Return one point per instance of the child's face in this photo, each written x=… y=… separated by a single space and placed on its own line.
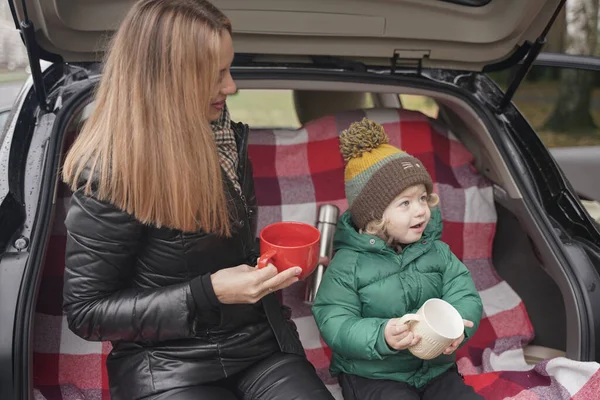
x=408 y=215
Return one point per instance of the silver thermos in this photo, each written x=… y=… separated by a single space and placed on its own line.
x=328 y=217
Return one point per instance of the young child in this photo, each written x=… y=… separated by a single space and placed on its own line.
x=389 y=260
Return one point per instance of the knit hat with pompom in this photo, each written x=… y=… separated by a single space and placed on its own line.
x=376 y=172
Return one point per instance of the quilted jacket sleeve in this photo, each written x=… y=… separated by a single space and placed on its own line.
x=337 y=312
x=102 y=242
x=459 y=289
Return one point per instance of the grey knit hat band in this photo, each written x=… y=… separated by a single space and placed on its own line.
x=385 y=185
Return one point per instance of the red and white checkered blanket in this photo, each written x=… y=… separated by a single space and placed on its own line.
x=295 y=172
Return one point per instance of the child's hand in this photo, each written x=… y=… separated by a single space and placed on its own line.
x=397 y=335
x=454 y=345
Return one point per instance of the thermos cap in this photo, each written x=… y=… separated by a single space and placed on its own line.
x=328 y=213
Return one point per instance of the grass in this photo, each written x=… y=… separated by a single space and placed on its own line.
x=536 y=103
x=12 y=76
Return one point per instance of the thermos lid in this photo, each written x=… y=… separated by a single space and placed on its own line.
x=328 y=213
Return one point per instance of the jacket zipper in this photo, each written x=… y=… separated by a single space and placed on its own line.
x=241 y=169
x=245 y=203
x=242 y=177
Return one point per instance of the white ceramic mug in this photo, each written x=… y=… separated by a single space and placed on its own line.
x=438 y=323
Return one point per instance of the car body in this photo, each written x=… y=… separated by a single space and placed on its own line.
x=382 y=48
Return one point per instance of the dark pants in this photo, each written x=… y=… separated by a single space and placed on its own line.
x=447 y=386
x=281 y=376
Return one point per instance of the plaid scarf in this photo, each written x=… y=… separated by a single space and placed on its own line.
x=227 y=147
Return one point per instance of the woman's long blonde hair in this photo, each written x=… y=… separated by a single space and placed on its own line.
x=148 y=143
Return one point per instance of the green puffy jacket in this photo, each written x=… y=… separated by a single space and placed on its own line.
x=367 y=283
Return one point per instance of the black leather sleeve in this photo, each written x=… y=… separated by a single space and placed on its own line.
x=102 y=243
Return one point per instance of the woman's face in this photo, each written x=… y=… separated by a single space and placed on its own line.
x=225 y=85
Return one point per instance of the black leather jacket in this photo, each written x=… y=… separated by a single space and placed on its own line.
x=129 y=283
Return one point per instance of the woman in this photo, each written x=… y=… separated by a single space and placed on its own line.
x=161 y=224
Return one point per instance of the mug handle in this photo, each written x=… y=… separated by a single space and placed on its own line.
x=408 y=318
x=265 y=258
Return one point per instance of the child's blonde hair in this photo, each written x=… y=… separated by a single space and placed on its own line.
x=378 y=227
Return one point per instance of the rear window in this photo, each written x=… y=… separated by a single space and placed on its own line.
x=269 y=109
x=423 y=104
x=276 y=108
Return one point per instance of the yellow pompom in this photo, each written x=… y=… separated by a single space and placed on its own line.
x=361 y=137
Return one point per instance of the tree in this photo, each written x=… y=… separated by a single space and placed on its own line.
x=12 y=50
x=572 y=109
x=555 y=42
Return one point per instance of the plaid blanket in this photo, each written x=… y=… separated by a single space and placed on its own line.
x=296 y=171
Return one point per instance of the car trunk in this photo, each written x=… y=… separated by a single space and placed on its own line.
x=520 y=256
x=524 y=253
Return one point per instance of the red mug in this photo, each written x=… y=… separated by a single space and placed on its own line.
x=290 y=244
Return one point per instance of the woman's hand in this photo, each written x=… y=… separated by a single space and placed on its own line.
x=398 y=336
x=454 y=345
x=247 y=285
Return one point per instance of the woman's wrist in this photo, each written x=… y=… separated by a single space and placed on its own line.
x=203 y=292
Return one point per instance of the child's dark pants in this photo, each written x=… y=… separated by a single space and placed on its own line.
x=448 y=386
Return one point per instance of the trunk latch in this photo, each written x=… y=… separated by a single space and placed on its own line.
x=409 y=59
